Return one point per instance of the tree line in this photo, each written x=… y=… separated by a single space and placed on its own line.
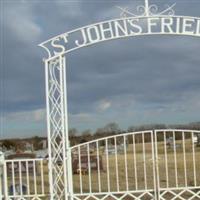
x=109 y=129
x=113 y=128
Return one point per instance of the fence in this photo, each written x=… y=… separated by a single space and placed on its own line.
x=25 y=179
x=160 y=164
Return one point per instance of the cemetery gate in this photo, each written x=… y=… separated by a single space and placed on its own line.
x=159 y=164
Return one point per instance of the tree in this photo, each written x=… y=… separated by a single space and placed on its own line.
x=112 y=128
x=87 y=133
x=36 y=142
x=86 y=136
x=131 y=129
x=73 y=136
x=109 y=129
x=73 y=132
x=9 y=144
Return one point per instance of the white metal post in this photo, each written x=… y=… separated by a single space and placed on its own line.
x=1 y=174
x=48 y=129
x=156 y=189
x=68 y=160
x=57 y=123
x=3 y=169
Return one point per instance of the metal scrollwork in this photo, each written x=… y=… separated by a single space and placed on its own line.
x=147 y=10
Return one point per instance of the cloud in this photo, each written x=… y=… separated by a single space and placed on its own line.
x=69 y=9
x=104 y=105
x=23 y=124
x=36 y=115
x=81 y=117
x=21 y=21
x=130 y=81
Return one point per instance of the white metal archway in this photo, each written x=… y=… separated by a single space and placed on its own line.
x=60 y=152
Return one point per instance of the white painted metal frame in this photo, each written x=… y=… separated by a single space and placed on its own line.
x=1 y=175
x=60 y=159
x=142 y=165
x=77 y=46
x=116 y=179
x=185 y=184
x=25 y=179
x=146 y=160
x=59 y=151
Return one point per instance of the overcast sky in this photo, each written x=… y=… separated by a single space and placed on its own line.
x=132 y=81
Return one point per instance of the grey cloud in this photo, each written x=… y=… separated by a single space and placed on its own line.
x=146 y=73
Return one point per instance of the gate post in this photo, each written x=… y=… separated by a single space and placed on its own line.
x=1 y=175
x=60 y=181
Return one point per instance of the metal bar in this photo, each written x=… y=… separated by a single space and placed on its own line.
x=22 y=159
x=64 y=122
x=50 y=163
x=98 y=165
x=42 y=175
x=147 y=8
x=34 y=177
x=116 y=164
x=110 y=137
x=2 y=162
x=80 y=170
x=194 y=160
x=125 y=162
x=135 y=163
x=121 y=193
x=27 y=178
x=69 y=175
x=154 y=164
x=184 y=159
x=166 y=161
x=89 y=169
x=175 y=159
x=108 y=170
x=13 y=177
x=68 y=148
x=20 y=177
x=5 y=184
x=157 y=189
x=144 y=161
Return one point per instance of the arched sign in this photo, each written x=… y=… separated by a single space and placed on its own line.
x=149 y=22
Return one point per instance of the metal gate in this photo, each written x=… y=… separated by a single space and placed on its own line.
x=177 y=164
x=146 y=165
x=160 y=164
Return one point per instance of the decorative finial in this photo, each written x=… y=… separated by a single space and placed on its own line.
x=147 y=10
